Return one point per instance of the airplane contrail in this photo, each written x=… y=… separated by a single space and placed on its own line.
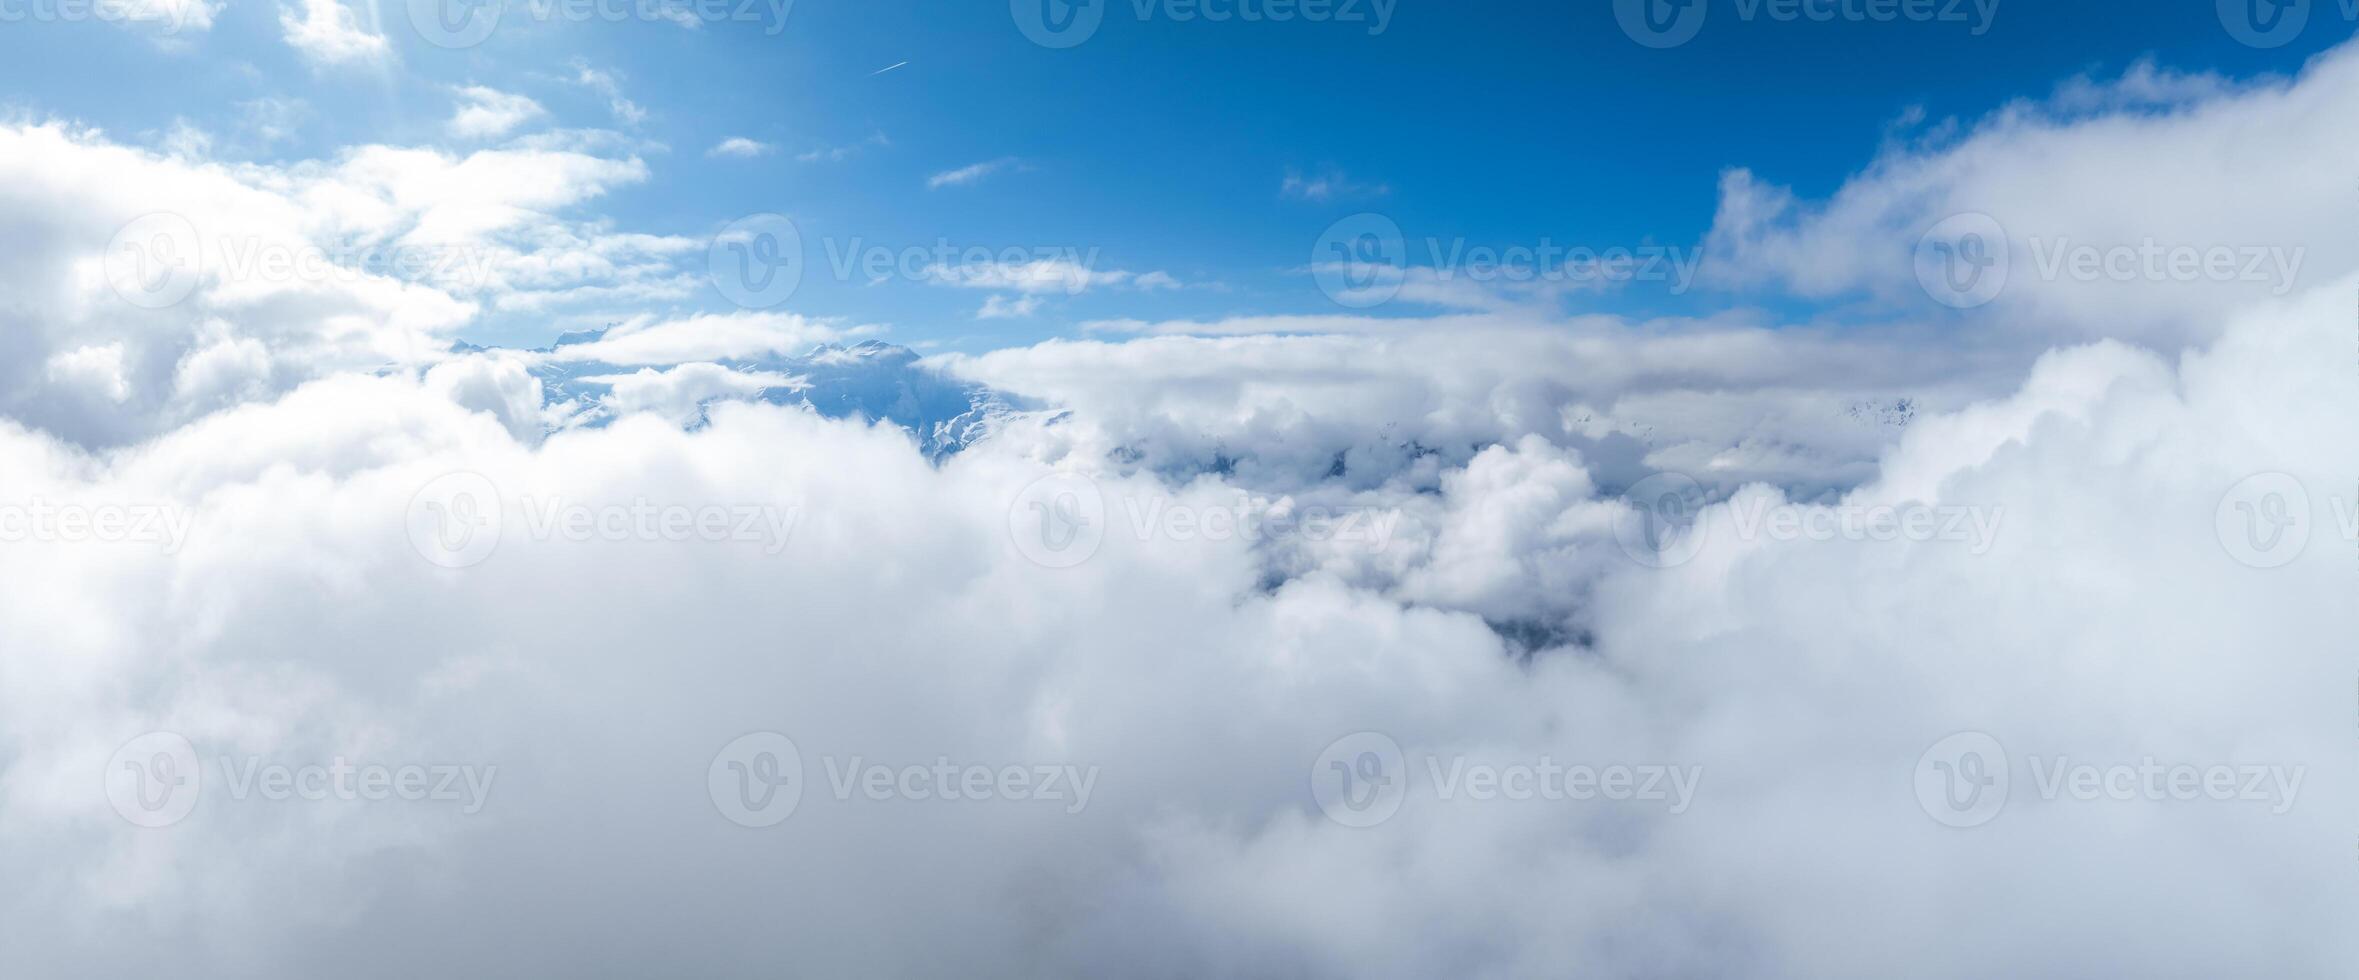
x=885 y=69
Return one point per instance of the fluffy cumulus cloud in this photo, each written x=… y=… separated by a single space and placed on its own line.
x=329 y=34
x=486 y=113
x=152 y=289
x=1233 y=657
x=2077 y=208
x=741 y=147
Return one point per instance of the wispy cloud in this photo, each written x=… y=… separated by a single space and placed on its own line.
x=1071 y=274
x=610 y=86
x=838 y=154
x=485 y=113
x=999 y=307
x=741 y=147
x=970 y=174
x=1327 y=185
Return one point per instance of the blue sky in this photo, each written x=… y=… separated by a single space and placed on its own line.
x=1156 y=145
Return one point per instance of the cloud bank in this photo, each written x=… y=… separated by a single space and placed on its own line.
x=285 y=525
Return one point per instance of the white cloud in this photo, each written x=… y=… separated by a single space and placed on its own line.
x=997 y=307
x=1280 y=399
x=282 y=273
x=705 y=337
x=165 y=20
x=682 y=395
x=2100 y=170
x=838 y=154
x=95 y=369
x=1329 y=184
x=1072 y=274
x=1804 y=678
x=327 y=33
x=970 y=174
x=608 y=84
x=485 y=113
x=886 y=611
x=739 y=146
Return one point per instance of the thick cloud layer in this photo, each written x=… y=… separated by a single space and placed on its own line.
x=1579 y=730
